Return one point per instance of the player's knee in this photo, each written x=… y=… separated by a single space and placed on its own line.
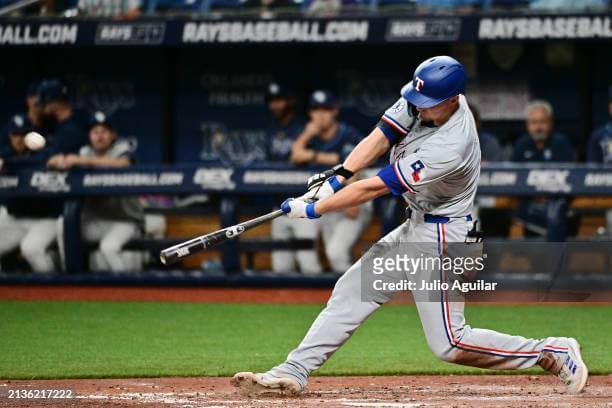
x=30 y=249
x=445 y=352
x=109 y=247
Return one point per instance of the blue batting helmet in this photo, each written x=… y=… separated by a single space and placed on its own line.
x=434 y=81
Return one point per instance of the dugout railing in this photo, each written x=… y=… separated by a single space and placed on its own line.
x=228 y=185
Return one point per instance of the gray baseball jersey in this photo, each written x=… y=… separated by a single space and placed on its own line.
x=435 y=169
x=112 y=207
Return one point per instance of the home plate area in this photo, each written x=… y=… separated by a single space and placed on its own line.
x=387 y=391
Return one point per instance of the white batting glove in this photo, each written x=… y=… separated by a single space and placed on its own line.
x=325 y=184
x=322 y=189
x=296 y=208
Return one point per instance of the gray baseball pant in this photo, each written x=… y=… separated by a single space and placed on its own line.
x=33 y=237
x=446 y=331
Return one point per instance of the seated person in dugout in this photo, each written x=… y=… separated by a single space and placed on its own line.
x=325 y=141
x=542 y=143
x=27 y=225
x=110 y=221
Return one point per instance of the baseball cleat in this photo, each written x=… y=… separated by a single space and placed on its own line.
x=258 y=383
x=574 y=372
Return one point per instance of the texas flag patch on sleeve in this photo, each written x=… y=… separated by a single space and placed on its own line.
x=416 y=167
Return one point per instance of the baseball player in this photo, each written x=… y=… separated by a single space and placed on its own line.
x=110 y=221
x=434 y=166
x=27 y=226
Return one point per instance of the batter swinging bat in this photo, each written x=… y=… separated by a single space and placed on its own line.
x=174 y=253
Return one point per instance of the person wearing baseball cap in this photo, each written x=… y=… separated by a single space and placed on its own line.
x=325 y=140
x=110 y=221
x=71 y=125
x=31 y=228
x=328 y=141
x=287 y=124
x=15 y=152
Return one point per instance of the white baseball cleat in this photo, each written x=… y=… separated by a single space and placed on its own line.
x=574 y=372
x=258 y=383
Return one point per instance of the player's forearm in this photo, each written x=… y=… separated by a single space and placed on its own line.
x=117 y=162
x=367 y=151
x=326 y=158
x=352 y=195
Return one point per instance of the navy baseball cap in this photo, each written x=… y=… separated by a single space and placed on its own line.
x=278 y=90
x=17 y=124
x=100 y=118
x=322 y=99
x=51 y=90
x=434 y=81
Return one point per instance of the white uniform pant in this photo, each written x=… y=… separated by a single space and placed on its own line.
x=285 y=228
x=32 y=236
x=340 y=233
x=443 y=321
x=112 y=236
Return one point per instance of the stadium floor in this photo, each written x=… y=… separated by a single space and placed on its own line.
x=364 y=391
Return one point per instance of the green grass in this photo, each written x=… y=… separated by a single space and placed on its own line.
x=129 y=339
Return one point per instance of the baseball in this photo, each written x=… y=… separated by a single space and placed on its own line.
x=34 y=141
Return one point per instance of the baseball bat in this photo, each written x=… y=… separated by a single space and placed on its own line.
x=174 y=253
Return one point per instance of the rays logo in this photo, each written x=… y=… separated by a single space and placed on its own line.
x=418 y=84
x=416 y=167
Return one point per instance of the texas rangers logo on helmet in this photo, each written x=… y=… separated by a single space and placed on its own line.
x=418 y=83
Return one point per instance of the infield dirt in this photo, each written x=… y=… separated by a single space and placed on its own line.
x=400 y=391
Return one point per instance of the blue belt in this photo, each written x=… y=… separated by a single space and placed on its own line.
x=436 y=219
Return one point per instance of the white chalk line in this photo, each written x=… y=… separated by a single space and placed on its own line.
x=362 y=403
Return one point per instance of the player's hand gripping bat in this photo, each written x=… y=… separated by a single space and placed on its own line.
x=174 y=253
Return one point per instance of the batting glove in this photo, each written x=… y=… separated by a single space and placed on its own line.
x=299 y=209
x=325 y=189
x=325 y=184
